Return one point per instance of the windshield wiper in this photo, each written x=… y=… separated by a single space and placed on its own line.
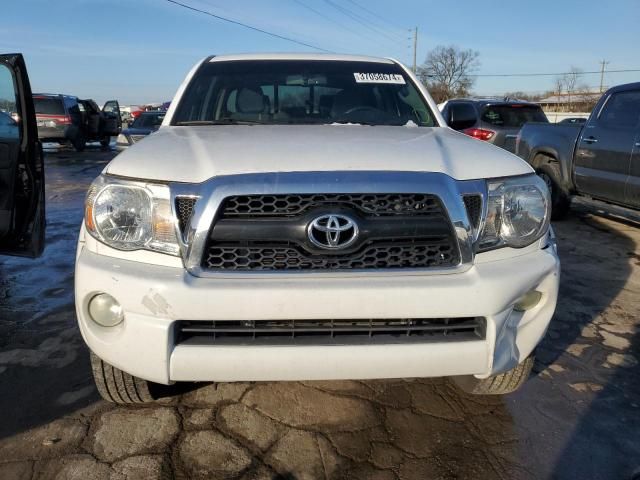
x=222 y=121
x=354 y=122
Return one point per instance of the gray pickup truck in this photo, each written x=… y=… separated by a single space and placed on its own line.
x=600 y=159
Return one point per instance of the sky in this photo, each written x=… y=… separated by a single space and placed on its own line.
x=138 y=51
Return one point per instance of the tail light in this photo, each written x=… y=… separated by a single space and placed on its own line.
x=479 y=133
x=63 y=120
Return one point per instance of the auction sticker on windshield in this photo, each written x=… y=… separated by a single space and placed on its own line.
x=379 y=78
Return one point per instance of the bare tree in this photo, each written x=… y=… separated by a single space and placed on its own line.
x=571 y=80
x=447 y=71
x=558 y=86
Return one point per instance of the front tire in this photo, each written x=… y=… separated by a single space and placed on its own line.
x=119 y=387
x=105 y=142
x=500 y=384
x=560 y=200
x=79 y=143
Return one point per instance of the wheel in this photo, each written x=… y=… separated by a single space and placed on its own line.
x=119 y=387
x=500 y=384
x=560 y=201
x=79 y=143
x=105 y=142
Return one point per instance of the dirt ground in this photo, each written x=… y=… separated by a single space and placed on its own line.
x=577 y=417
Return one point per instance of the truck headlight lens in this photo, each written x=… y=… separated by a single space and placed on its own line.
x=122 y=216
x=131 y=215
x=518 y=212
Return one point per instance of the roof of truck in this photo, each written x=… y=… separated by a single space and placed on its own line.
x=625 y=86
x=299 y=56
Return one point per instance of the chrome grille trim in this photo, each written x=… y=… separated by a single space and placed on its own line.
x=213 y=192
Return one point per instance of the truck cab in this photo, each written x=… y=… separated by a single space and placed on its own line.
x=607 y=154
x=600 y=159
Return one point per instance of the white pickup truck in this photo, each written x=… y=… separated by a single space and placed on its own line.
x=312 y=217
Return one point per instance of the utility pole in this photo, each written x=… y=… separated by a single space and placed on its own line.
x=415 y=49
x=603 y=63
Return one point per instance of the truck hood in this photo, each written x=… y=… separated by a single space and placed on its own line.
x=196 y=153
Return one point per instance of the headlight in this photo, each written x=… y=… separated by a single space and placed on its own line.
x=122 y=138
x=131 y=215
x=518 y=212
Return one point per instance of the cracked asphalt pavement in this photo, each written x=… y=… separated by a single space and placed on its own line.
x=577 y=417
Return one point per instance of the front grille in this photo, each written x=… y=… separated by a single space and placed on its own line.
x=184 y=211
x=137 y=138
x=370 y=204
x=330 y=332
x=431 y=253
x=270 y=232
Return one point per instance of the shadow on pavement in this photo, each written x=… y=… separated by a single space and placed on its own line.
x=44 y=365
x=603 y=298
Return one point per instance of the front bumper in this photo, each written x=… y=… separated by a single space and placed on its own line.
x=154 y=297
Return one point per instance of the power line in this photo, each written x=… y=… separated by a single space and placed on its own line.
x=360 y=19
x=371 y=12
x=235 y=22
x=326 y=17
x=549 y=74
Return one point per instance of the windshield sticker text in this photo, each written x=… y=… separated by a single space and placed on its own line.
x=379 y=78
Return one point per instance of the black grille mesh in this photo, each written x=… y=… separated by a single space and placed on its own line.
x=349 y=331
x=417 y=254
x=473 y=204
x=184 y=211
x=370 y=204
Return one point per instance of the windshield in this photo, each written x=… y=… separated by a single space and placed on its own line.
x=302 y=93
x=148 y=121
x=513 y=115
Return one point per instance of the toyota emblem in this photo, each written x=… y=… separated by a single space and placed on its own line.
x=332 y=231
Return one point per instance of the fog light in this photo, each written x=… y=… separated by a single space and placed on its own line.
x=528 y=301
x=105 y=310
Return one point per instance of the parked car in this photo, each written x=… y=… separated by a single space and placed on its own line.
x=292 y=219
x=126 y=117
x=496 y=121
x=573 y=120
x=600 y=159
x=64 y=118
x=145 y=124
x=8 y=126
x=22 y=218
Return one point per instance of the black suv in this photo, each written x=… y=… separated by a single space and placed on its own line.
x=63 y=118
x=495 y=121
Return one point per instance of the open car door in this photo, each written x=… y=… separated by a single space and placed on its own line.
x=22 y=220
x=112 y=119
